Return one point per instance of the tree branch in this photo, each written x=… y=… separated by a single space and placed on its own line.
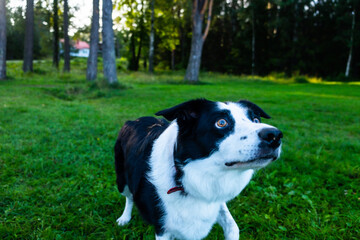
x=208 y=20
x=195 y=5
x=204 y=7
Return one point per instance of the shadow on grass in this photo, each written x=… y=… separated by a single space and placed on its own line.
x=94 y=90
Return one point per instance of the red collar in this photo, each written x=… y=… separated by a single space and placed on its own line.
x=175 y=189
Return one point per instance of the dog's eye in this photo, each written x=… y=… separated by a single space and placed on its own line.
x=256 y=120
x=221 y=123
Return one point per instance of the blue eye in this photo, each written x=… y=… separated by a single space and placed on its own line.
x=256 y=120
x=221 y=123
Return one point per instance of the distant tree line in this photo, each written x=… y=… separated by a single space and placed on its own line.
x=319 y=38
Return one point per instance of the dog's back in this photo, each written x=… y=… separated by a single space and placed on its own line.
x=132 y=149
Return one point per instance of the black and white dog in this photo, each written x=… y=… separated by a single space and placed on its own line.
x=181 y=174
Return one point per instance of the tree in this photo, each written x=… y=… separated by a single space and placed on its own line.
x=56 y=35
x=66 y=38
x=137 y=34
x=91 y=71
x=198 y=38
x=2 y=40
x=348 y=64
x=152 y=38
x=29 y=37
x=253 y=39
x=108 y=50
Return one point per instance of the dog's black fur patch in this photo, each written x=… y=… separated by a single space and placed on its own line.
x=132 y=151
x=196 y=141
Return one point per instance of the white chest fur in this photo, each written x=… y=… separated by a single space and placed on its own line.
x=191 y=216
x=188 y=218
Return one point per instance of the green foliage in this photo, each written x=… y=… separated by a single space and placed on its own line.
x=306 y=37
x=43 y=29
x=170 y=18
x=310 y=37
x=122 y=63
x=15 y=34
x=57 y=177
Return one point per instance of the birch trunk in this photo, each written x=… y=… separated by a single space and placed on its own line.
x=66 y=38
x=152 y=39
x=193 y=68
x=91 y=71
x=29 y=37
x=253 y=39
x=109 y=63
x=197 y=40
x=56 y=36
x=2 y=40
x=348 y=64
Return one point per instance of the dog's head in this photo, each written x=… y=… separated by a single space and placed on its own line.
x=228 y=135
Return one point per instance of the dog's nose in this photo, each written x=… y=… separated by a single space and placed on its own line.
x=272 y=136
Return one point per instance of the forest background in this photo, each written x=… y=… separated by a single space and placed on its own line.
x=289 y=37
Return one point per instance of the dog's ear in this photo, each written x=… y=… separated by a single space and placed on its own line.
x=255 y=108
x=185 y=111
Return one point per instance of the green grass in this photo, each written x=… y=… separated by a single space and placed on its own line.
x=57 y=133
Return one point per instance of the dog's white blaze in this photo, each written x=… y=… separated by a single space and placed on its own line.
x=233 y=148
x=209 y=178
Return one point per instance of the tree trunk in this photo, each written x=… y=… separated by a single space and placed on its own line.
x=294 y=44
x=182 y=39
x=145 y=62
x=132 y=65
x=66 y=38
x=253 y=53
x=197 y=40
x=135 y=58
x=29 y=37
x=56 y=36
x=109 y=62
x=193 y=68
x=117 y=48
x=173 y=60
x=348 y=64
x=91 y=71
x=233 y=20
x=138 y=53
x=152 y=38
x=2 y=39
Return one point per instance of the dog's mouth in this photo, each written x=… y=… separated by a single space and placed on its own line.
x=261 y=159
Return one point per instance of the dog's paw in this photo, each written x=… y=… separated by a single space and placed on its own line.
x=232 y=233
x=232 y=236
x=123 y=220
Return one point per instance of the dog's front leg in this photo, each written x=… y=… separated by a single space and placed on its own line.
x=126 y=216
x=227 y=222
x=164 y=236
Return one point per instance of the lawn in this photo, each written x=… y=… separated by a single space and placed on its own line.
x=57 y=133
